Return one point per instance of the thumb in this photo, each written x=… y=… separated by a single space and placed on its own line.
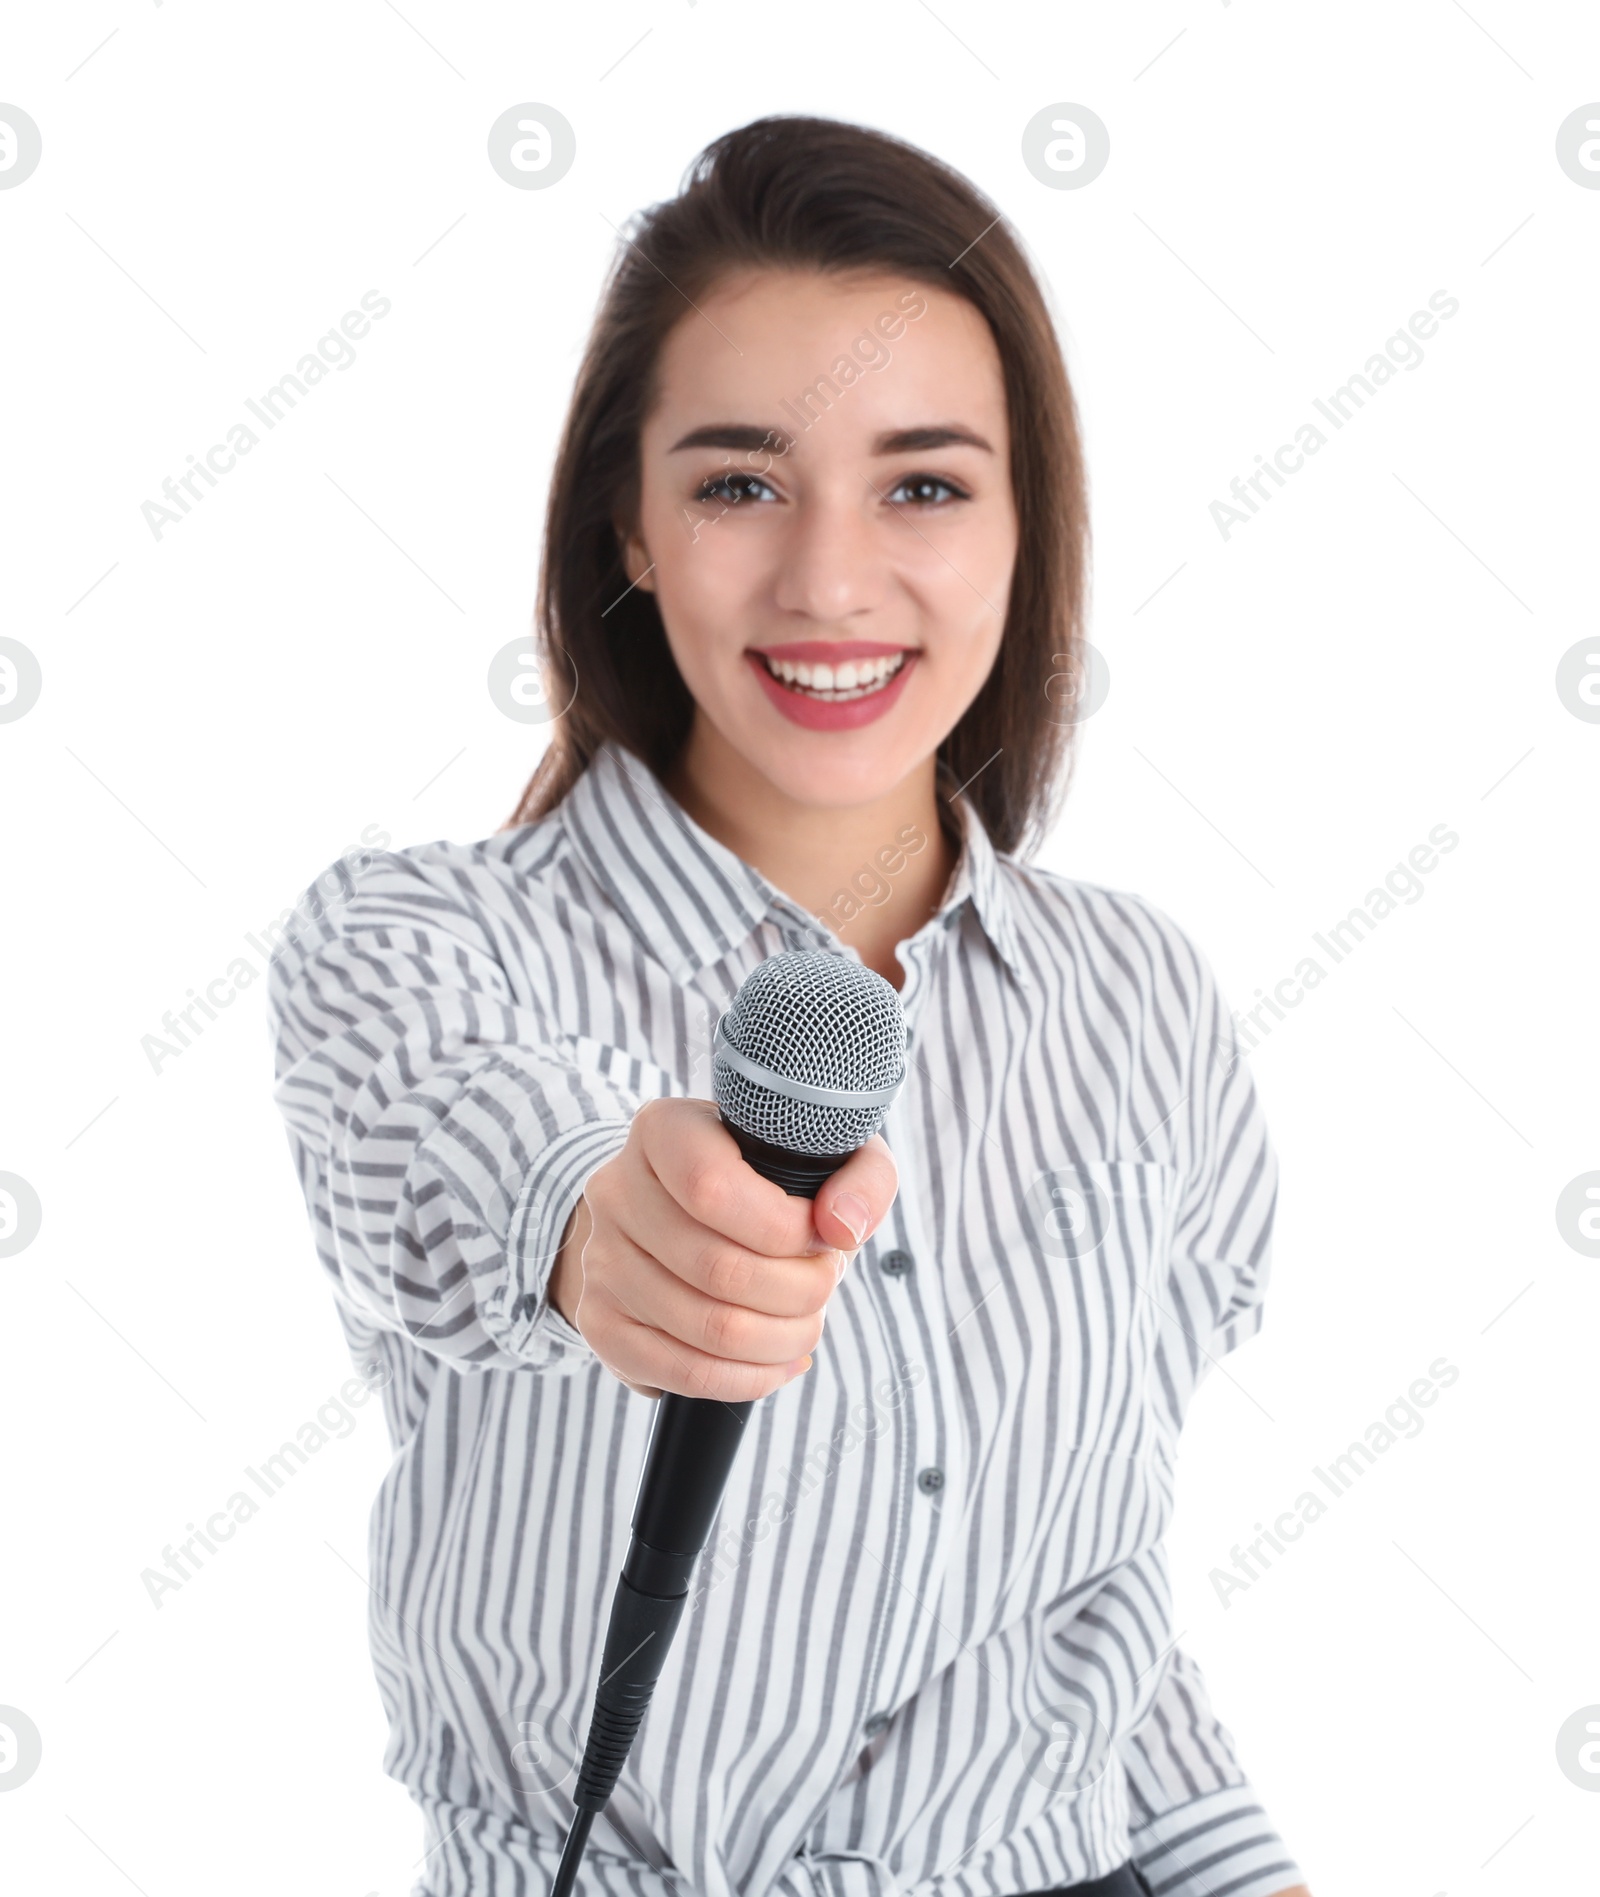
x=855 y=1201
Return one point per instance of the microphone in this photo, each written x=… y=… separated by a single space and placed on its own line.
x=807 y=1058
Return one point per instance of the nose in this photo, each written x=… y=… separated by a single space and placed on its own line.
x=832 y=566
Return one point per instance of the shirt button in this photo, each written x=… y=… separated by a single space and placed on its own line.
x=875 y=1725
x=930 y=1481
x=895 y=1263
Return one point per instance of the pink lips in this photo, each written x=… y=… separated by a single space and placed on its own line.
x=817 y=714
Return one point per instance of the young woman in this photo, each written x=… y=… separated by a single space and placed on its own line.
x=811 y=613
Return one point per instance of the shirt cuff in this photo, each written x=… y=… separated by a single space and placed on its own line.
x=1221 y=1845
x=1239 y=1329
x=536 y=1330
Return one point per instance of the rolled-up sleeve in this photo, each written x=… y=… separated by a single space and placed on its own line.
x=442 y=1129
x=1210 y=1289
x=1197 y=1828
x=1222 y=1239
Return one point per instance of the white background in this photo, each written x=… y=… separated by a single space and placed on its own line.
x=1292 y=710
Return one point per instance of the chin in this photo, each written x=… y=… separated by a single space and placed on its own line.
x=834 y=771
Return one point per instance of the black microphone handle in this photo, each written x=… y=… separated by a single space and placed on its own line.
x=693 y=1441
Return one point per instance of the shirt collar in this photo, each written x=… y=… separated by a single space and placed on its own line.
x=693 y=901
x=981 y=879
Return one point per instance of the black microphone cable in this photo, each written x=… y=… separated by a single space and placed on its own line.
x=808 y=1057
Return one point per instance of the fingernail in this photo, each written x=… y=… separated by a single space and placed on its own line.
x=799 y=1367
x=853 y=1211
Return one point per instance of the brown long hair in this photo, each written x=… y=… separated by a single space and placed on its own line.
x=796 y=192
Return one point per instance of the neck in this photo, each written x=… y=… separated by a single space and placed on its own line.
x=873 y=872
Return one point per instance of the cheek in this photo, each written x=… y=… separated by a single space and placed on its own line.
x=971 y=657
x=701 y=593
x=963 y=598
x=962 y=635
x=704 y=565
x=958 y=563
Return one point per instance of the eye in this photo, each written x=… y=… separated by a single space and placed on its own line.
x=732 y=487
x=918 y=489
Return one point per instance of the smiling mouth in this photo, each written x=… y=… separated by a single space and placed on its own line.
x=835 y=684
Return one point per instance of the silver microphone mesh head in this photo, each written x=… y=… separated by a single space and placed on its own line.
x=819 y=1023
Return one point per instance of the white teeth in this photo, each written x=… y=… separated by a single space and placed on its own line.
x=854 y=679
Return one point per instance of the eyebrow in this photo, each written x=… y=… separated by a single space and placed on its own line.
x=752 y=440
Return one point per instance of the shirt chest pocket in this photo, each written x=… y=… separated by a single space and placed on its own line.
x=1089 y=1254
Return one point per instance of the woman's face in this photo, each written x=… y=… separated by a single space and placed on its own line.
x=827 y=522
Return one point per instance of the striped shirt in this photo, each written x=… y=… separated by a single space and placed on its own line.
x=929 y=1645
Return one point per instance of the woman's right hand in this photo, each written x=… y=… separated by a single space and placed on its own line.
x=685 y=1270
